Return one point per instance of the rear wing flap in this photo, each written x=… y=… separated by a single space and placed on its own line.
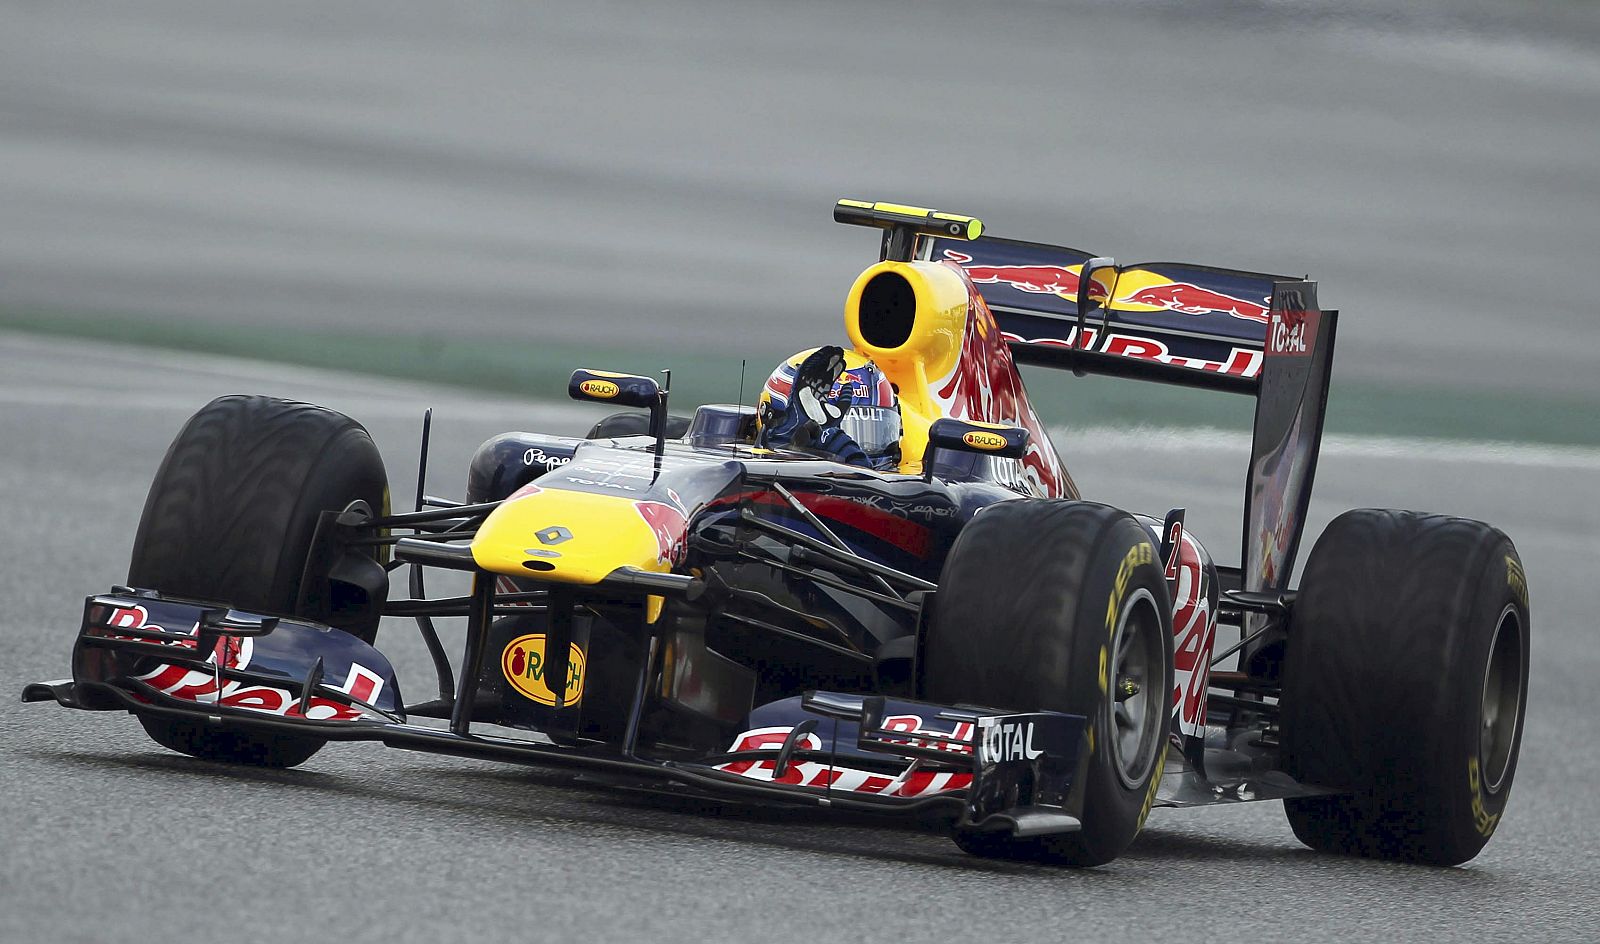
x=1195 y=326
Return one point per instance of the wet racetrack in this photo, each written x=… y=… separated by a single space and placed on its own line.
x=111 y=836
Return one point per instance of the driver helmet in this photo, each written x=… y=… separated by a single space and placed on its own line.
x=835 y=402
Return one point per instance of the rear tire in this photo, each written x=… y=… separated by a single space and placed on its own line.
x=1405 y=682
x=1049 y=605
x=230 y=518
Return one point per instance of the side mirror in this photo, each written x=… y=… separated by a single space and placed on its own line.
x=982 y=438
x=604 y=386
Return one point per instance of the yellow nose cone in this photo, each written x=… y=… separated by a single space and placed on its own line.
x=577 y=537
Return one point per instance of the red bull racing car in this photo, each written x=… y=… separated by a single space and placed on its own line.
x=689 y=604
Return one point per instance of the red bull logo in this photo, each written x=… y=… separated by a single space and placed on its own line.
x=1194 y=300
x=1035 y=279
x=1241 y=361
x=137 y=618
x=809 y=772
x=668 y=524
x=235 y=652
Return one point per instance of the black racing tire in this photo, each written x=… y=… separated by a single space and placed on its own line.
x=1405 y=682
x=230 y=518
x=202 y=740
x=1042 y=604
x=636 y=423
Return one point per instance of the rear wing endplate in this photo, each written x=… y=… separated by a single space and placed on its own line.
x=1194 y=326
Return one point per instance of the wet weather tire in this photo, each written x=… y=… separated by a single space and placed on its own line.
x=230 y=517
x=1062 y=605
x=1405 y=682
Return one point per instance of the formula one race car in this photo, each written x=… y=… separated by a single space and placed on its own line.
x=689 y=605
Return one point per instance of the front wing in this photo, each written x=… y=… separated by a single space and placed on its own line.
x=165 y=658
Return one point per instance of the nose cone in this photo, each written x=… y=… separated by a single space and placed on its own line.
x=577 y=537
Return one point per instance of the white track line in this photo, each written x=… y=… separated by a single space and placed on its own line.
x=1206 y=439
x=38 y=370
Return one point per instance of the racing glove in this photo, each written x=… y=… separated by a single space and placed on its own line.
x=810 y=420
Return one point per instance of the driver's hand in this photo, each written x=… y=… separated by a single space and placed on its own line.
x=809 y=421
x=814 y=381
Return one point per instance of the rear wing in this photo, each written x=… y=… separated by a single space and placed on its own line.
x=1195 y=326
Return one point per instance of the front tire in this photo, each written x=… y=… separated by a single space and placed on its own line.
x=230 y=518
x=1062 y=605
x=1405 y=682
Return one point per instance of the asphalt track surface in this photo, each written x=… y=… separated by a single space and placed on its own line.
x=107 y=837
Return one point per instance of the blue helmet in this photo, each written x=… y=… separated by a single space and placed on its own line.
x=835 y=402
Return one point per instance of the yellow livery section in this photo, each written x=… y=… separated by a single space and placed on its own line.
x=911 y=319
x=522 y=663
x=604 y=389
x=900 y=216
x=978 y=439
x=575 y=537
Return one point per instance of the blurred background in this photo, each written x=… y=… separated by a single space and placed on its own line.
x=489 y=193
